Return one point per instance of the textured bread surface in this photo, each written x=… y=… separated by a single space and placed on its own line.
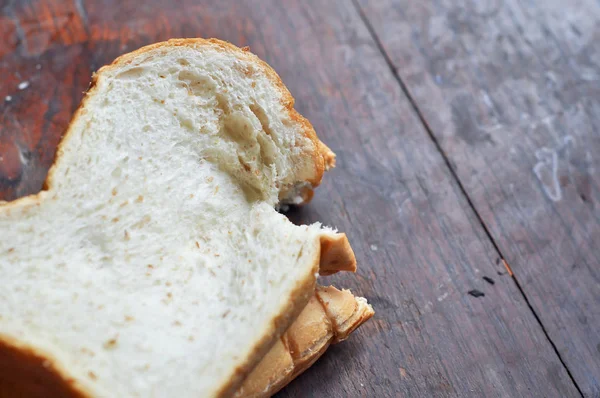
x=154 y=263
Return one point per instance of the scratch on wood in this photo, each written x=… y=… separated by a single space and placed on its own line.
x=546 y=169
x=82 y=13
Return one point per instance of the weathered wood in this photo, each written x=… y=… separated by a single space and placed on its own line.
x=511 y=90
x=420 y=247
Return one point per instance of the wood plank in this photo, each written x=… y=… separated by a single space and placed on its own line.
x=510 y=89
x=420 y=247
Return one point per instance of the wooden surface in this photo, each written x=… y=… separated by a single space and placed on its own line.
x=482 y=146
x=511 y=91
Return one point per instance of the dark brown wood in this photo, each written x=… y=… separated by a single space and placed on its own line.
x=421 y=249
x=511 y=91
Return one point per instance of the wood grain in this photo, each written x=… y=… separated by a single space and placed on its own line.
x=420 y=247
x=511 y=91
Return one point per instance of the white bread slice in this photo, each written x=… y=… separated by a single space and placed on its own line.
x=154 y=263
x=328 y=318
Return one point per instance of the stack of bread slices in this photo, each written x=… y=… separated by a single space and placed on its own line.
x=153 y=263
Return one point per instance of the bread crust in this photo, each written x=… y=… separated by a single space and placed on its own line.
x=323 y=158
x=329 y=318
x=28 y=372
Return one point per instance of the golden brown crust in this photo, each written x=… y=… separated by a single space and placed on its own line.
x=323 y=158
x=329 y=317
x=345 y=311
x=27 y=372
x=336 y=255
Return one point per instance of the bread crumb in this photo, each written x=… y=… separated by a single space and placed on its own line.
x=8 y=98
x=112 y=343
x=92 y=375
x=38 y=66
x=374 y=248
x=46 y=363
x=23 y=85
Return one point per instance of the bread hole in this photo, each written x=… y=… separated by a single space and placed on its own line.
x=262 y=117
x=222 y=103
x=252 y=193
x=183 y=62
x=267 y=149
x=130 y=74
x=195 y=83
x=238 y=128
x=287 y=122
x=186 y=123
x=245 y=165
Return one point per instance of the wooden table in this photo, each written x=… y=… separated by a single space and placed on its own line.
x=467 y=134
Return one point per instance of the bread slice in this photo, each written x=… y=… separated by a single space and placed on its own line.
x=328 y=318
x=153 y=263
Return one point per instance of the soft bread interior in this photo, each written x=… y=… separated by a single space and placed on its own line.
x=155 y=262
